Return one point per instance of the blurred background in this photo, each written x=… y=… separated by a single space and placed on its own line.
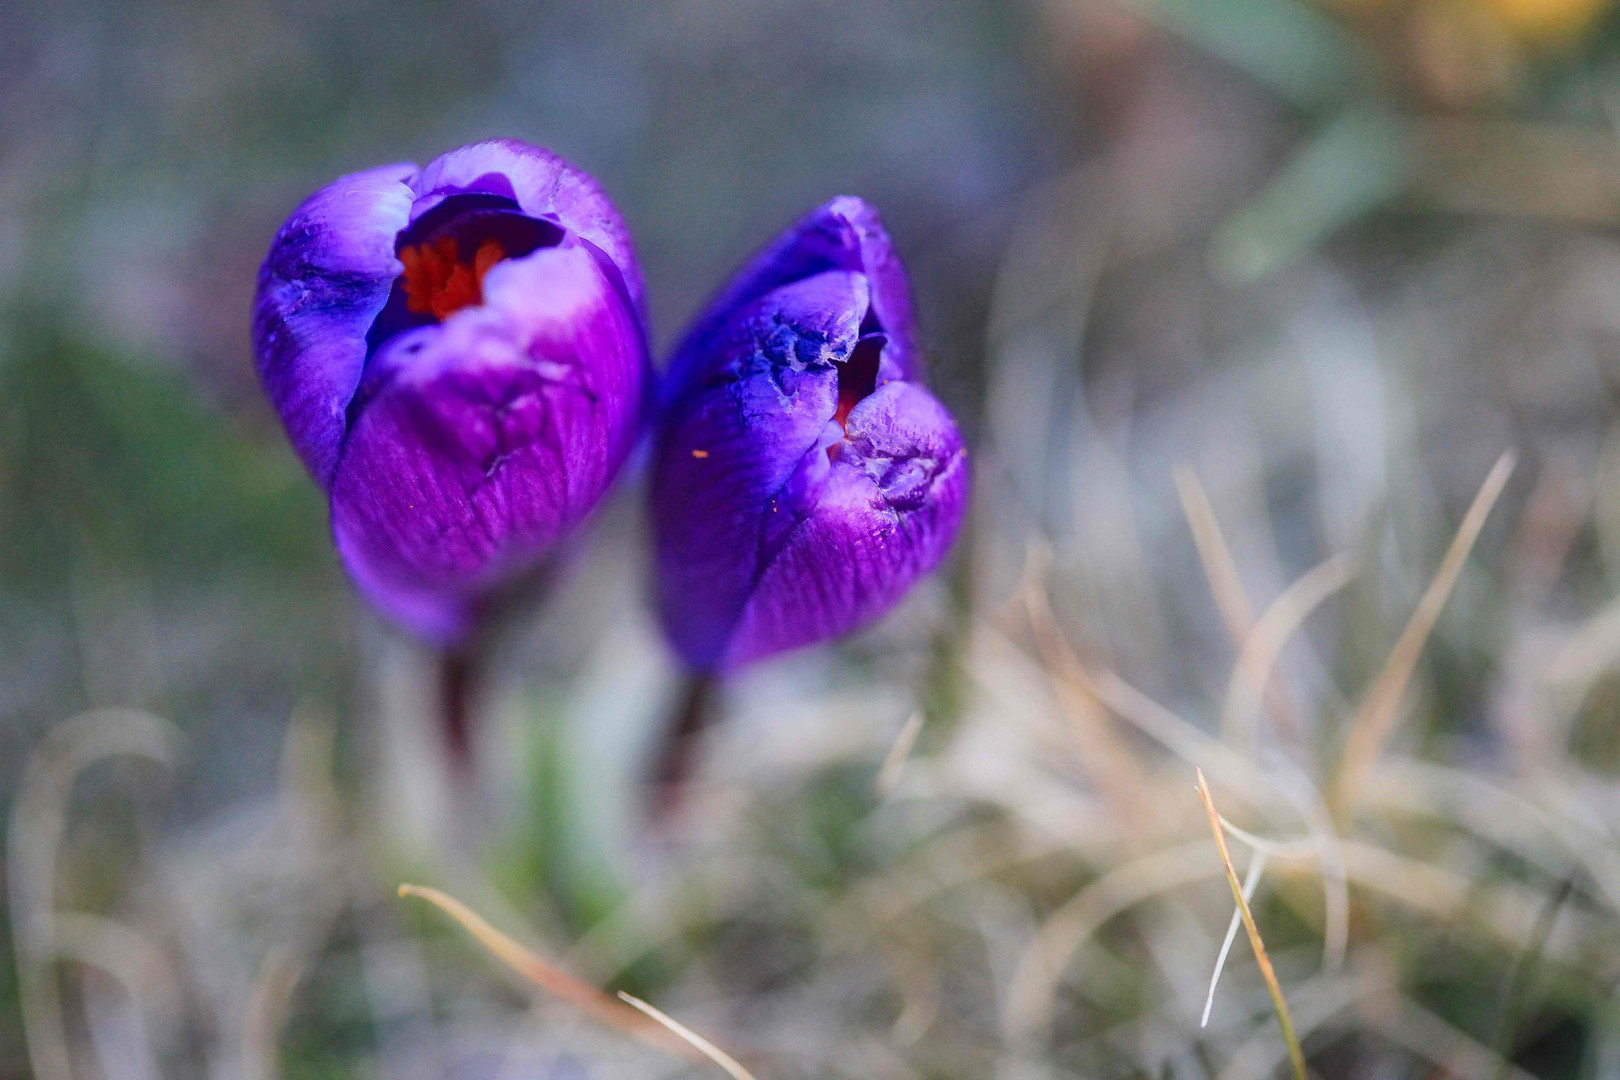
x=1239 y=302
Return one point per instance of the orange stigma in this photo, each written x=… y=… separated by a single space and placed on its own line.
x=438 y=282
x=846 y=405
x=857 y=379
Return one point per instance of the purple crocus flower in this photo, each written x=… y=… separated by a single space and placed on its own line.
x=458 y=354
x=805 y=478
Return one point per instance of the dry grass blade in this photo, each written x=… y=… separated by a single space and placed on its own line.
x=703 y=1046
x=33 y=842
x=1453 y=1052
x=1296 y=1056
x=1117 y=770
x=1177 y=735
x=1265 y=644
x=1376 y=717
x=1321 y=845
x=1219 y=566
x=1089 y=697
x=267 y=1008
x=1317 y=1002
x=1035 y=980
x=576 y=992
x=1231 y=598
x=894 y=762
x=1524 y=972
x=1272 y=849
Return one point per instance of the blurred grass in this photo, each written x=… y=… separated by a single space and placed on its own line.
x=116 y=458
x=1335 y=257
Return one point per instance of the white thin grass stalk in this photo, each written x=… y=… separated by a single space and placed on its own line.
x=1264 y=644
x=1251 y=879
x=702 y=1045
x=894 y=763
x=548 y=977
x=1296 y=1056
x=1376 y=718
x=1323 y=847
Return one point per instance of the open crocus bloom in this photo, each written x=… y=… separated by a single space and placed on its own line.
x=458 y=355
x=805 y=479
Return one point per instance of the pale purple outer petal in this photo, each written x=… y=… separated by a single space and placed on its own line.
x=325 y=279
x=844 y=234
x=491 y=436
x=764 y=542
x=543 y=185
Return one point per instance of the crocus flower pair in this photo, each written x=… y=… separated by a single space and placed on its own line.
x=459 y=356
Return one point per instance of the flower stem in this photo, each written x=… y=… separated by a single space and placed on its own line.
x=677 y=749
x=456 y=678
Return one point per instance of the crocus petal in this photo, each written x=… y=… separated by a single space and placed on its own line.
x=738 y=442
x=463 y=405
x=804 y=478
x=884 y=516
x=492 y=435
x=844 y=234
x=326 y=277
x=543 y=185
x=746 y=497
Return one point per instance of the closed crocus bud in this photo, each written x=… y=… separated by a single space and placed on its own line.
x=805 y=478
x=458 y=355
